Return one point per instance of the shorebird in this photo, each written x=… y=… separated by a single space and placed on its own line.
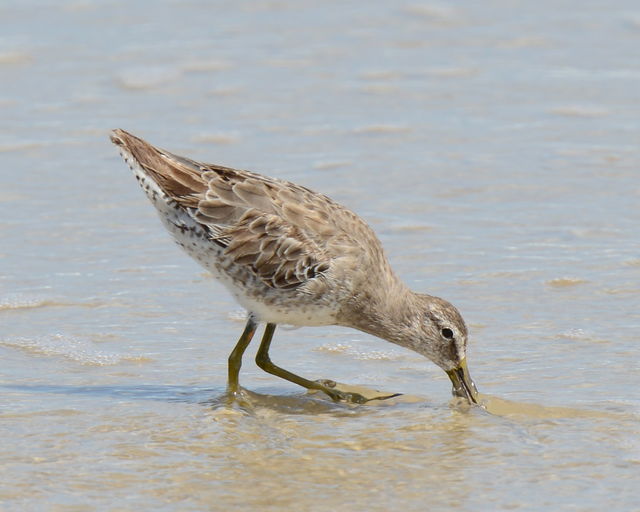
x=293 y=256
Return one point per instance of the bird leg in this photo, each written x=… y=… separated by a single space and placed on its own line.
x=235 y=358
x=264 y=361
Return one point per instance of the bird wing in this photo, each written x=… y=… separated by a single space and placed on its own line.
x=284 y=233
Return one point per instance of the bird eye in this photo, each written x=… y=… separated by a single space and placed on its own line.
x=447 y=333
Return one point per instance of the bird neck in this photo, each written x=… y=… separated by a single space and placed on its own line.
x=383 y=309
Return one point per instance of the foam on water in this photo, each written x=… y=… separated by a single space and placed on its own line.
x=20 y=301
x=362 y=355
x=24 y=302
x=75 y=349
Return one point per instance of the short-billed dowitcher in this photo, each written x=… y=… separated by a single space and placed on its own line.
x=292 y=256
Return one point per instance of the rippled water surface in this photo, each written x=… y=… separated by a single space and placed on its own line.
x=492 y=145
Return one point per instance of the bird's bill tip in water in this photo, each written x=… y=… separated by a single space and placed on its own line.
x=463 y=386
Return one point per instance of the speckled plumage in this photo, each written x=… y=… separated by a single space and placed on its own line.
x=288 y=254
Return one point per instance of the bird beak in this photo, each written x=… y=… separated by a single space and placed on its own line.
x=463 y=386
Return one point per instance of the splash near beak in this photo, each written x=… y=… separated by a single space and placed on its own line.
x=463 y=386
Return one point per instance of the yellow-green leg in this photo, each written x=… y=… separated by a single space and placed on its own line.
x=235 y=358
x=264 y=361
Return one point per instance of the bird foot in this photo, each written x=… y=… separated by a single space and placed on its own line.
x=340 y=396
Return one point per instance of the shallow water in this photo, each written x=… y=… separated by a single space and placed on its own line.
x=494 y=149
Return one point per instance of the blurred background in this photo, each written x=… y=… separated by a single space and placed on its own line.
x=493 y=146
